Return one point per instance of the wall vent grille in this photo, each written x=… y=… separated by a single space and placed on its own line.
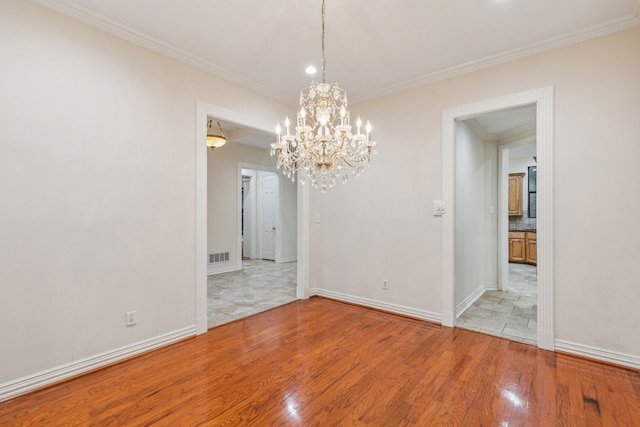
x=219 y=257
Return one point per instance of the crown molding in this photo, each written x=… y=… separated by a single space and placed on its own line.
x=102 y=22
x=110 y=26
x=610 y=27
x=479 y=130
x=518 y=132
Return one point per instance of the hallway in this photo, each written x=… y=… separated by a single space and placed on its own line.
x=511 y=314
x=259 y=286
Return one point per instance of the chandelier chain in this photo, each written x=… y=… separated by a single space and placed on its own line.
x=324 y=60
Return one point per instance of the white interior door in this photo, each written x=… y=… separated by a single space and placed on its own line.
x=268 y=214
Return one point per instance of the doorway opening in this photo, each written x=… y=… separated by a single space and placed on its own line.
x=493 y=152
x=256 y=218
x=297 y=198
x=259 y=212
x=542 y=100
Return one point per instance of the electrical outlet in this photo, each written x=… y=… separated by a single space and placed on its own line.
x=385 y=284
x=132 y=318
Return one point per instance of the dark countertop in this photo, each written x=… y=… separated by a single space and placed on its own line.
x=530 y=230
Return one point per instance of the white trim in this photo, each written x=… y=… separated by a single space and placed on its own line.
x=118 y=29
x=543 y=99
x=610 y=27
x=545 y=232
x=503 y=219
x=519 y=132
x=491 y=287
x=600 y=354
x=202 y=256
x=468 y=301
x=212 y=270
x=304 y=247
x=111 y=26
x=41 y=379
x=283 y=260
x=380 y=305
x=257 y=211
x=504 y=156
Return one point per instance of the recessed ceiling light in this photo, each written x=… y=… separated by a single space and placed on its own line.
x=311 y=70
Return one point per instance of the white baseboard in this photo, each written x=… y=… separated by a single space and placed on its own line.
x=491 y=287
x=219 y=269
x=380 y=305
x=600 y=354
x=202 y=325
x=287 y=259
x=23 y=385
x=468 y=301
x=546 y=339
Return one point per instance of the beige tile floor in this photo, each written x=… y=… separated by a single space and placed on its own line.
x=511 y=314
x=259 y=286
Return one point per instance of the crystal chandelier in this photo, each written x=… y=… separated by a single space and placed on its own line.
x=323 y=148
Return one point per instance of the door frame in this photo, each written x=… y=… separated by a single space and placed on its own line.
x=504 y=156
x=279 y=216
x=247 y=235
x=204 y=110
x=543 y=98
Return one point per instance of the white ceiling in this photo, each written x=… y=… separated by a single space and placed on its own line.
x=239 y=134
x=524 y=151
x=373 y=47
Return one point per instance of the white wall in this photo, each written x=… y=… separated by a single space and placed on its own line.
x=381 y=226
x=97 y=143
x=289 y=227
x=476 y=232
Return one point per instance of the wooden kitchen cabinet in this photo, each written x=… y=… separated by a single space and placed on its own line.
x=531 y=248
x=522 y=247
x=517 y=247
x=515 y=193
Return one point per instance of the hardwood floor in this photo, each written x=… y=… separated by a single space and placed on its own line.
x=321 y=362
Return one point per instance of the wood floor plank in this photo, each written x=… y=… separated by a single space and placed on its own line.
x=322 y=362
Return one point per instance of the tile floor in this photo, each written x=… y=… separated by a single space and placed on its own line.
x=259 y=286
x=510 y=314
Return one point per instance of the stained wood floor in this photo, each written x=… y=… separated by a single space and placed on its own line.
x=320 y=362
